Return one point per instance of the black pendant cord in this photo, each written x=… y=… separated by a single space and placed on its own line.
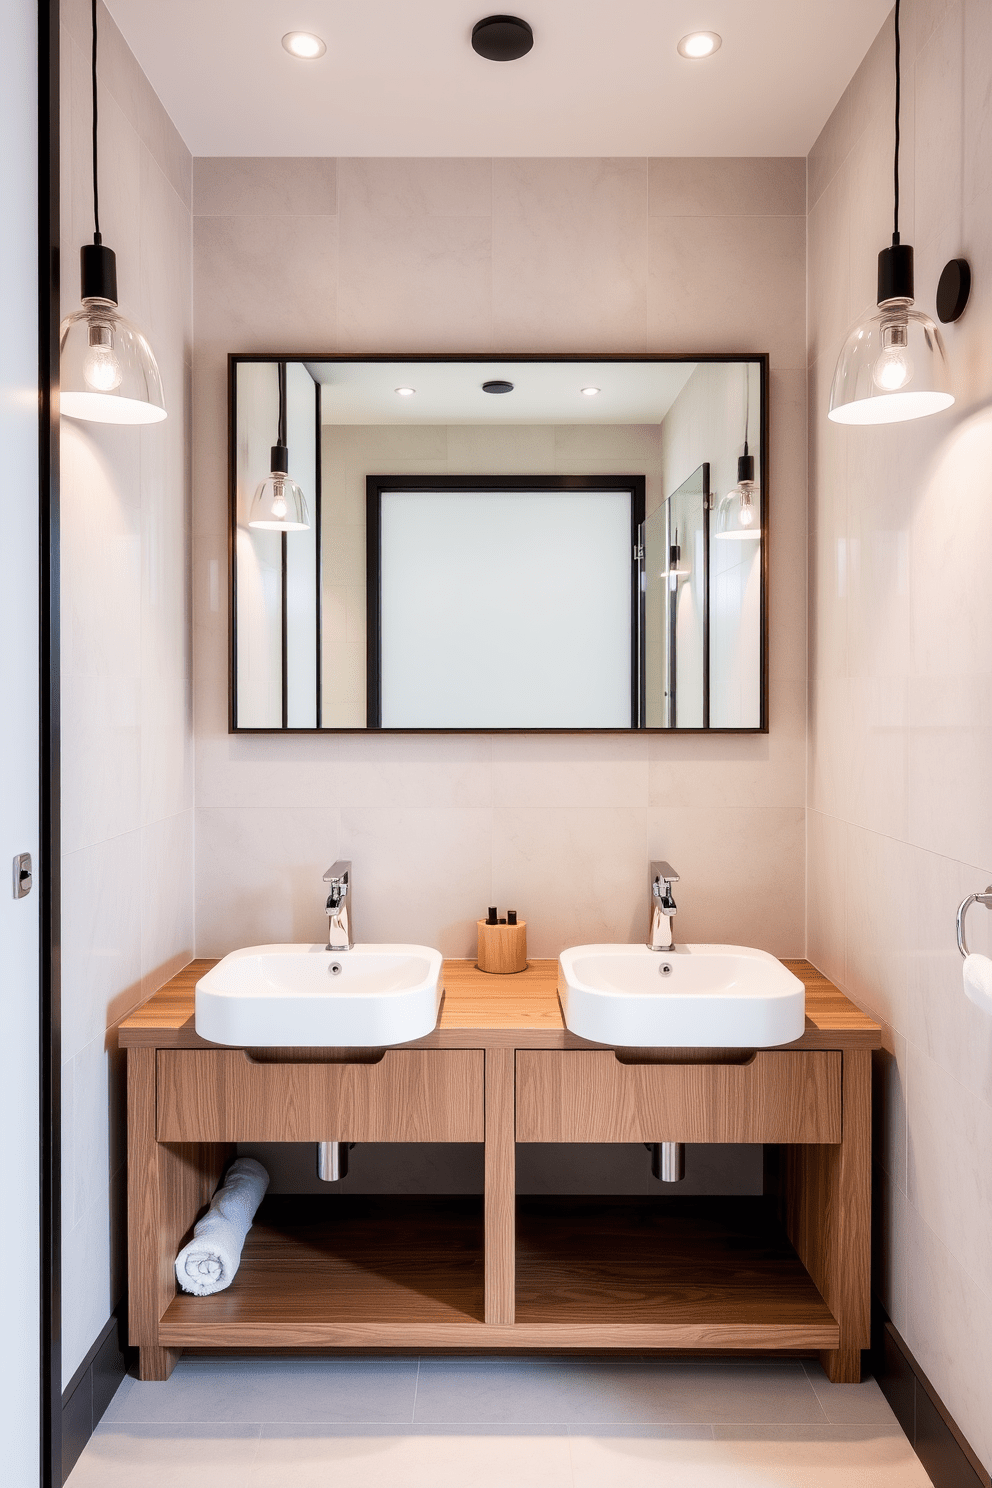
x=747 y=404
x=282 y=404
x=895 y=163
x=96 y=185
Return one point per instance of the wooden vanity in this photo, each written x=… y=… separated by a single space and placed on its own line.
x=785 y=1273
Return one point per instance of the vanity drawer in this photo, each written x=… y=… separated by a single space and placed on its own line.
x=409 y=1095
x=575 y=1096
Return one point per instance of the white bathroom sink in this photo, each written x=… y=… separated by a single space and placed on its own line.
x=692 y=996
x=302 y=996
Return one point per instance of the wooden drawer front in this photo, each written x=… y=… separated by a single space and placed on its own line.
x=410 y=1095
x=574 y=1096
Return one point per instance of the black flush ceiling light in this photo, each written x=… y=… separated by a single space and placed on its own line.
x=497 y=385
x=893 y=366
x=502 y=38
x=108 y=372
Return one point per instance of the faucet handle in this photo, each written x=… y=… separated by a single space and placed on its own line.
x=663 y=871
x=339 y=873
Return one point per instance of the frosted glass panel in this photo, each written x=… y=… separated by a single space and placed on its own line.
x=505 y=609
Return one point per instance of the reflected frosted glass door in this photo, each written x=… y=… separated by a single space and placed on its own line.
x=505 y=609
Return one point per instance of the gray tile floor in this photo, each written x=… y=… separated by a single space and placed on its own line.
x=482 y=1422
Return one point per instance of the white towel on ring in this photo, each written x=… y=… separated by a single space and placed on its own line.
x=978 y=981
x=210 y=1261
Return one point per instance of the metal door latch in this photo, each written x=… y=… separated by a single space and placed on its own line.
x=23 y=875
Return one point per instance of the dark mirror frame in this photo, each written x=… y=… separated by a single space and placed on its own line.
x=237 y=358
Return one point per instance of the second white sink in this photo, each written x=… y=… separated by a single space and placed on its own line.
x=691 y=996
x=303 y=996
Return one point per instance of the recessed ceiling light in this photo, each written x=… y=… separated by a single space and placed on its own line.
x=304 y=44
x=700 y=44
x=590 y=392
x=406 y=392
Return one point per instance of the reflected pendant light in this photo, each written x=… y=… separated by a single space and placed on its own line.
x=109 y=374
x=892 y=366
x=737 y=517
x=278 y=504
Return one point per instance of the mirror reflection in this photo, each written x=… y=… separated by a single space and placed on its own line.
x=491 y=544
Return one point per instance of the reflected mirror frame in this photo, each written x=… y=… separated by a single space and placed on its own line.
x=235 y=359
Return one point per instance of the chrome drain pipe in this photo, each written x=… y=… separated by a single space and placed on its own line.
x=667 y=1161
x=332 y=1161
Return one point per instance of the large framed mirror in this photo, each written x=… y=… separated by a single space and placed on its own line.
x=488 y=544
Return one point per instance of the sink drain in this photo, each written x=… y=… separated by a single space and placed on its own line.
x=335 y=968
x=665 y=968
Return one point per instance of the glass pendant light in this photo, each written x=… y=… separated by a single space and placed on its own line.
x=278 y=504
x=893 y=365
x=738 y=517
x=108 y=371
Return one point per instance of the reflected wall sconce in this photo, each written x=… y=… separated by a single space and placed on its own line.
x=893 y=366
x=108 y=371
x=279 y=504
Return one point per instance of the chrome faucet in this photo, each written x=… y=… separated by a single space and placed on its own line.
x=339 y=936
x=660 y=936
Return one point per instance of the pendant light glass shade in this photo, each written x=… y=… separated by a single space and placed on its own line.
x=737 y=515
x=893 y=367
x=279 y=505
x=109 y=374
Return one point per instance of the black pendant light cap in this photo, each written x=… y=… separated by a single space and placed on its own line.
x=279 y=464
x=953 y=290
x=745 y=469
x=502 y=38
x=98 y=272
x=896 y=279
x=497 y=385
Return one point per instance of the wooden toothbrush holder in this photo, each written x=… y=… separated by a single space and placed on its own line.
x=502 y=948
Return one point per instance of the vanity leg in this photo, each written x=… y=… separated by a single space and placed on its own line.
x=168 y=1185
x=157 y=1363
x=828 y=1218
x=500 y=1195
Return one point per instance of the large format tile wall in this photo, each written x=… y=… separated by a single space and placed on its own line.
x=900 y=794
x=127 y=779
x=478 y=255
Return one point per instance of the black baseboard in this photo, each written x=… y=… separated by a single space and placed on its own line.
x=92 y=1388
x=935 y=1436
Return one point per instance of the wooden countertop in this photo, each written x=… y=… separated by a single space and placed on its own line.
x=521 y=1010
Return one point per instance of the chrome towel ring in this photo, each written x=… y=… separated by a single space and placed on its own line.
x=963 y=909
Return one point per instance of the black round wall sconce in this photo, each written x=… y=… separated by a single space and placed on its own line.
x=502 y=38
x=953 y=290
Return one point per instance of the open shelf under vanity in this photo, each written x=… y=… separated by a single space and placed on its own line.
x=347 y=1271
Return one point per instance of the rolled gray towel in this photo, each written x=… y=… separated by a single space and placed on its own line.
x=210 y=1261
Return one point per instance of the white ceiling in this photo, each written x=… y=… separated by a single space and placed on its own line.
x=400 y=78
x=543 y=392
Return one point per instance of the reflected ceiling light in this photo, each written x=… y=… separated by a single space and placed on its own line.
x=279 y=505
x=497 y=385
x=304 y=44
x=502 y=38
x=589 y=392
x=738 y=516
x=700 y=44
x=892 y=366
x=108 y=371
x=406 y=392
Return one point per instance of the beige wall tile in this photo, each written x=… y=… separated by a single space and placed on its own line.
x=751 y=278
x=245 y=186
x=727 y=187
x=569 y=255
